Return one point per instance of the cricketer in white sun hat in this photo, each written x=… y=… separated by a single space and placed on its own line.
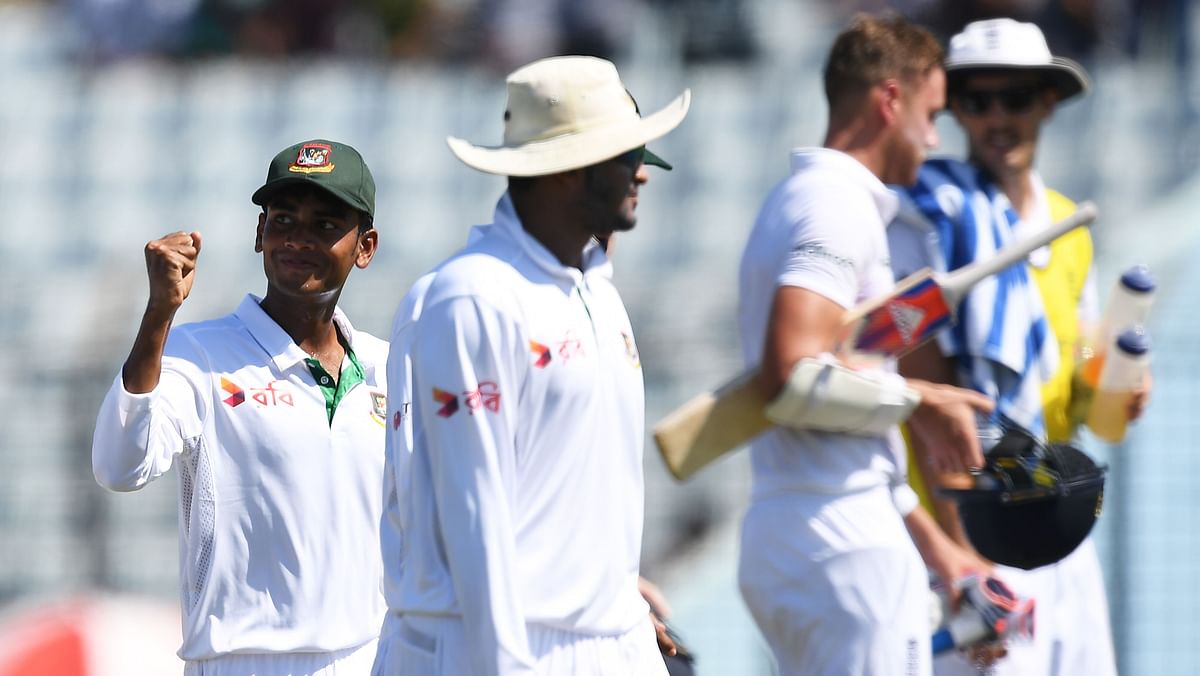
x=564 y=113
x=1006 y=44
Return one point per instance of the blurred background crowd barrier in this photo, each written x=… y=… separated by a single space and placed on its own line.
x=121 y=120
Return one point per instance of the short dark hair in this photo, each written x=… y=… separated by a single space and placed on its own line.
x=874 y=49
x=365 y=222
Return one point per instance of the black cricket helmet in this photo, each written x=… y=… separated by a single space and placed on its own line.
x=1033 y=503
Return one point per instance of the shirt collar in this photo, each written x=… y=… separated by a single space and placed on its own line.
x=284 y=351
x=507 y=222
x=1038 y=219
x=887 y=202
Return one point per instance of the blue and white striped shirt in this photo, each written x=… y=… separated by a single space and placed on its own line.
x=1002 y=342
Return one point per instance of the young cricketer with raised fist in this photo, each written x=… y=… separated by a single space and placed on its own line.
x=273 y=416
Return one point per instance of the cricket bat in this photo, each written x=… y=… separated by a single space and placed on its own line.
x=716 y=422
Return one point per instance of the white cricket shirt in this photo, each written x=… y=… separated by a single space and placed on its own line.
x=279 y=508
x=822 y=229
x=522 y=500
x=399 y=433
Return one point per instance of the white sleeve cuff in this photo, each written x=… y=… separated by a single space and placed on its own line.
x=129 y=402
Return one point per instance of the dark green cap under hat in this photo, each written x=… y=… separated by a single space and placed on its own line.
x=648 y=157
x=333 y=167
x=655 y=161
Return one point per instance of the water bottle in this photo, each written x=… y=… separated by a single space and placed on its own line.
x=1129 y=304
x=1124 y=370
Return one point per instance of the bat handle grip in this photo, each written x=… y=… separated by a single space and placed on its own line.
x=942 y=641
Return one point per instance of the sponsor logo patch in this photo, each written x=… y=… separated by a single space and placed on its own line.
x=570 y=346
x=541 y=354
x=487 y=395
x=236 y=394
x=313 y=158
x=818 y=251
x=399 y=416
x=263 y=396
x=448 y=401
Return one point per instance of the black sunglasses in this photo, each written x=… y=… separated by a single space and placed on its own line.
x=1015 y=100
x=632 y=158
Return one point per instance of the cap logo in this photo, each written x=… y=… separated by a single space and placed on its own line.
x=313 y=158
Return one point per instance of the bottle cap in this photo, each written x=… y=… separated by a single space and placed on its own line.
x=1134 y=341
x=1138 y=279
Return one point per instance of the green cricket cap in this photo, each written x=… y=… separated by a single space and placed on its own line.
x=649 y=157
x=655 y=161
x=333 y=167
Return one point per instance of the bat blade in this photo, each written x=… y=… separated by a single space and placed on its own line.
x=714 y=423
x=710 y=424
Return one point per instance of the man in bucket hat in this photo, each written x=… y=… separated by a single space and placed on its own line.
x=1018 y=333
x=513 y=522
x=832 y=544
x=273 y=416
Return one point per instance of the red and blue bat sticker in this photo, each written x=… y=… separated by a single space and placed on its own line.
x=904 y=321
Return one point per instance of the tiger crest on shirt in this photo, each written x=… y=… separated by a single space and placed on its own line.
x=379 y=406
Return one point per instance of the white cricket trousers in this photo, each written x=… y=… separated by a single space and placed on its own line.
x=423 y=645
x=1072 y=635
x=836 y=585
x=348 y=662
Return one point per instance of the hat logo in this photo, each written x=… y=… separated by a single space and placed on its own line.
x=993 y=38
x=313 y=158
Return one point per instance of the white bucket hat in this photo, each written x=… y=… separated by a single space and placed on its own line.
x=1005 y=44
x=565 y=113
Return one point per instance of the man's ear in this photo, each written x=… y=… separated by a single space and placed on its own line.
x=1050 y=100
x=262 y=220
x=368 y=244
x=888 y=102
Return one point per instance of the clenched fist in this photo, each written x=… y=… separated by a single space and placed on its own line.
x=171 y=266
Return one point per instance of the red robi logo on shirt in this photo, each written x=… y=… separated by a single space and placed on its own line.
x=570 y=346
x=541 y=354
x=263 y=396
x=485 y=396
x=448 y=401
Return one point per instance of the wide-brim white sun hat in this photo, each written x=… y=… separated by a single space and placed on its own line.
x=565 y=113
x=1006 y=44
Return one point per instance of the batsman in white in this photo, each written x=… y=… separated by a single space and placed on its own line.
x=1018 y=333
x=274 y=418
x=514 y=516
x=828 y=567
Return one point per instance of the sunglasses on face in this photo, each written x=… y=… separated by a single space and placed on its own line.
x=633 y=158
x=1015 y=100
